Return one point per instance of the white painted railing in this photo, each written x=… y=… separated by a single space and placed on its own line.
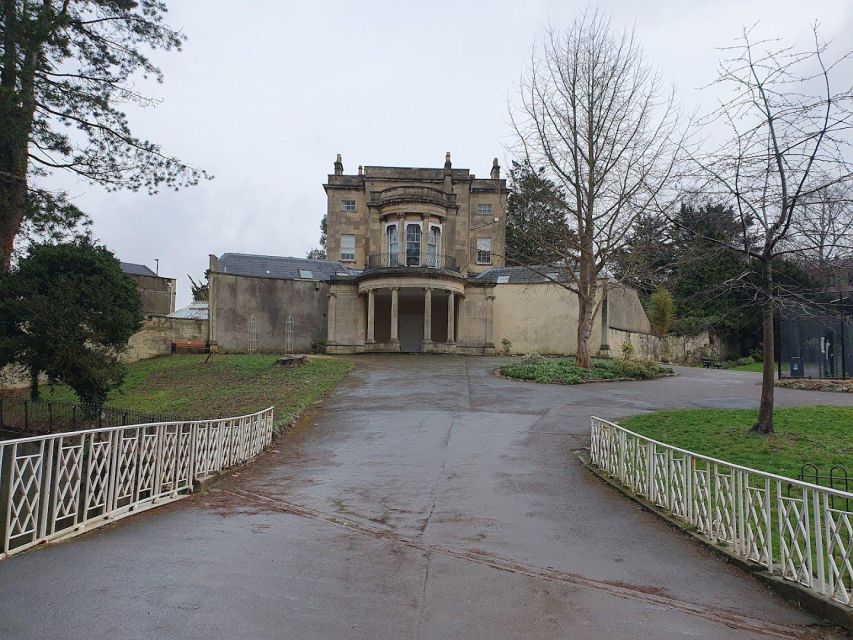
x=60 y=485
x=798 y=530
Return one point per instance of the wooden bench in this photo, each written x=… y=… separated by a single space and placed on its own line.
x=708 y=363
x=189 y=346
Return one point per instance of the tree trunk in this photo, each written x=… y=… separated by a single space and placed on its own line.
x=768 y=380
x=585 y=317
x=34 y=384
x=13 y=196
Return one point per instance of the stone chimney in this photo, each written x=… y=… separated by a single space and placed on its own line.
x=213 y=263
x=496 y=170
x=360 y=170
x=448 y=182
x=339 y=166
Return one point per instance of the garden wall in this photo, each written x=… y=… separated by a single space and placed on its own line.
x=671 y=348
x=157 y=334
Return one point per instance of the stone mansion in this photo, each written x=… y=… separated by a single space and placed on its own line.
x=414 y=264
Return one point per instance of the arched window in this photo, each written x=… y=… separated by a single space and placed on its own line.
x=413 y=245
x=433 y=246
x=393 y=245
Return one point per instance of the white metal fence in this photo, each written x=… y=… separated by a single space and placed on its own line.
x=59 y=485
x=800 y=531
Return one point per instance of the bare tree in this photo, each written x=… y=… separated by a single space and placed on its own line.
x=788 y=131
x=595 y=117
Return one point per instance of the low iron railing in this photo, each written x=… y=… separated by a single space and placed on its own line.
x=390 y=260
x=800 y=531
x=52 y=416
x=60 y=485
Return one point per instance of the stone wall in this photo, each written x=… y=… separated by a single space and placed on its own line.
x=647 y=346
x=157 y=334
x=156 y=294
x=543 y=317
x=235 y=300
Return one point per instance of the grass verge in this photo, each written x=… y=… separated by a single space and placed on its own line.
x=188 y=388
x=565 y=371
x=821 y=435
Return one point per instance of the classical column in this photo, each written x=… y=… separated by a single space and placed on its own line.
x=401 y=240
x=427 y=314
x=370 y=331
x=451 y=298
x=424 y=239
x=394 y=337
x=330 y=333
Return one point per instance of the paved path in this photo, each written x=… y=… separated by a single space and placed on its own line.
x=428 y=499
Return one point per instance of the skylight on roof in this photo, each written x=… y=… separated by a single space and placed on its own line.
x=305 y=273
x=503 y=279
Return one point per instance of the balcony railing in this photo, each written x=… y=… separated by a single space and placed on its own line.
x=402 y=260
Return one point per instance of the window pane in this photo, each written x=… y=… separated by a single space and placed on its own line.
x=484 y=209
x=432 y=248
x=348 y=205
x=393 y=246
x=484 y=250
x=413 y=245
x=348 y=247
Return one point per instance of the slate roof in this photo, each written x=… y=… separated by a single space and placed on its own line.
x=523 y=275
x=284 y=268
x=195 y=311
x=132 y=269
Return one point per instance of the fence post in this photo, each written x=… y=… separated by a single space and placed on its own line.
x=74 y=417
x=50 y=417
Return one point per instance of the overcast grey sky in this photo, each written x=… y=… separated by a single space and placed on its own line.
x=265 y=93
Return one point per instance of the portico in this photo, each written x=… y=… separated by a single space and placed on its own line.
x=411 y=317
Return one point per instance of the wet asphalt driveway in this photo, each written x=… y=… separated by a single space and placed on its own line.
x=427 y=499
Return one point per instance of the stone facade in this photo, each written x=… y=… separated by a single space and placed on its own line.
x=250 y=313
x=156 y=293
x=450 y=206
x=415 y=265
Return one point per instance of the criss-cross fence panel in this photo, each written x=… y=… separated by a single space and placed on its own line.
x=796 y=529
x=59 y=485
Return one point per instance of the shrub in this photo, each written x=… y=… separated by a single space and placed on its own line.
x=627 y=350
x=506 y=346
x=661 y=311
x=740 y=362
x=318 y=345
x=532 y=358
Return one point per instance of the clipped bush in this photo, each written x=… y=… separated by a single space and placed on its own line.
x=627 y=350
x=506 y=346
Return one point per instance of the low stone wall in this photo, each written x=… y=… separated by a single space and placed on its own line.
x=678 y=349
x=157 y=334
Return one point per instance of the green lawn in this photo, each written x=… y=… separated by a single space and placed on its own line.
x=755 y=367
x=565 y=371
x=822 y=436
x=230 y=385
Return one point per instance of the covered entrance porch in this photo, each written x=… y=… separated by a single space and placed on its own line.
x=411 y=319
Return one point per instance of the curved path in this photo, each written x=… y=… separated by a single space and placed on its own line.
x=426 y=499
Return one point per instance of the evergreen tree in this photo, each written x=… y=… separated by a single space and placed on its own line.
x=67 y=311
x=66 y=71
x=536 y=220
